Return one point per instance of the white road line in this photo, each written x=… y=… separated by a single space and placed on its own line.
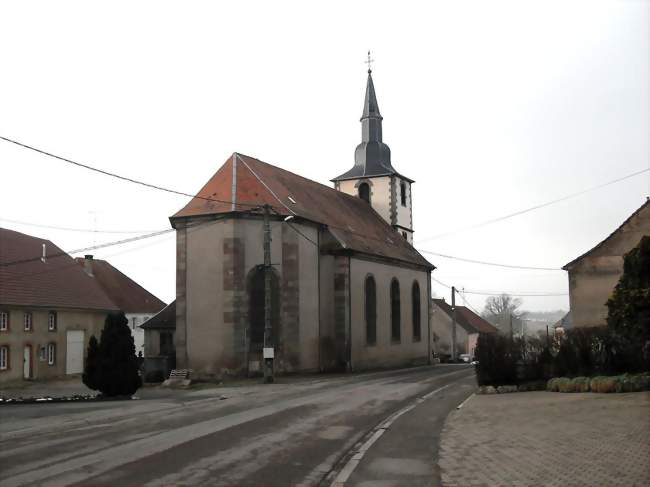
x=463 y=403
x=346 y=471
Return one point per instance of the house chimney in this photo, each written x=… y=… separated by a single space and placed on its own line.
x=44 y=256
x=88 y=264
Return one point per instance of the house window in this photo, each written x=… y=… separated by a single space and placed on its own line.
x=371 y=310
x=395 y=323
x=364 y=192
x=402 y=191
x=51 y=321
x=415 y=300
x=133 y=323
x=405 y=236
x=166 y=343
x=4 y=357
x=4 y=320
x=27 y=320
x=51 y=354
x=42 y=354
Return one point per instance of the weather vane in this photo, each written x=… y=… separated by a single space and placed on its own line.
x=369 y=62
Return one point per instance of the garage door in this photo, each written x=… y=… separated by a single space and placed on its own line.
x=74 y=352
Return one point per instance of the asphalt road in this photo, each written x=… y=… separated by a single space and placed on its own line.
x=298 y=433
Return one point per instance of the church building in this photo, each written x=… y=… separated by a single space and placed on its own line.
x=348 y=290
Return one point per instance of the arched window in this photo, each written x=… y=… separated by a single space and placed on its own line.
x=402 y=189
x=395 y=323
x=371 y=310
x=415 y=300
x=364 y=192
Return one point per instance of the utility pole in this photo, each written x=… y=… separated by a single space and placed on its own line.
x=511 y=330
x=453 y=324
x=268 y=352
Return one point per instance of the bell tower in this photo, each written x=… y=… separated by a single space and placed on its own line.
x=373 y=178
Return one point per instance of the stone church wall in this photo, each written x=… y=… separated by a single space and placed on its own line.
x=220 y=258
x=386 y=353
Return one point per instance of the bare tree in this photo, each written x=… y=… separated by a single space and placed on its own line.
x=499 y=309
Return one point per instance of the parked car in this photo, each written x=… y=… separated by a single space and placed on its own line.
x=465 y=357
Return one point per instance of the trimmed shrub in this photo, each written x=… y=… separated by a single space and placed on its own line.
x=580 y=384
x=604 y=384
x=565 y=384
x=552 y=384
x=539 y=385
x=497 y=357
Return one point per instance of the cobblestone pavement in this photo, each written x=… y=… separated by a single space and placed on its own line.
x=548 y=439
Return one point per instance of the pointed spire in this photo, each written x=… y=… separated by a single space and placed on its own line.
x=371 y=118
x=372 y=156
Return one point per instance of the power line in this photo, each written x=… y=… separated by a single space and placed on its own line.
x=536 y=207
x=492 y=293
x=72 y=229
x=123 y=178
x=482 y=262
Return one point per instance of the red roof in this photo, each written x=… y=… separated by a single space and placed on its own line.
x=465 y=317
x=353 y=223
x=58 y=282
x=127 y=294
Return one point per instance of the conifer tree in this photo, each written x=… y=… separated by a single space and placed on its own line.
x=89 y=376
x=117 y=365
x=629 y=306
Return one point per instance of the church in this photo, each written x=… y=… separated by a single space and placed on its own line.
x=348 y=291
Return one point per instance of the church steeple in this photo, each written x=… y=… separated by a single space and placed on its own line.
x=373 y=178
x=372 y=156
x=371 y=118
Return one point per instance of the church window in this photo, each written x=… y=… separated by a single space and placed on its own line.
x=364 y=192
x=395 y=321
x=415 y=301
x=371 y=310
x=405 y=236
x=402 y=189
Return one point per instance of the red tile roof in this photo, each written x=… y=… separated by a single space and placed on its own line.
x=465 y=317
x=351 y=220
x=127 y=294
x=58 y=282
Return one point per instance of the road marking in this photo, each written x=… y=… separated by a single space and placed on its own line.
x=353 y=462
x=463 y=403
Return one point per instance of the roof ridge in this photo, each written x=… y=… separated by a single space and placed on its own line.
x=599 y=244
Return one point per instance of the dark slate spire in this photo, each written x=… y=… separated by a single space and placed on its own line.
x=372 y=156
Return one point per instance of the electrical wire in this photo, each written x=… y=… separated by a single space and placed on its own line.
x=123 y=178
x=72 y=229
x=532 y=208
x=482 y=262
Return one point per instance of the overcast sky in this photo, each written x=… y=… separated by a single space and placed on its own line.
x=491 y=107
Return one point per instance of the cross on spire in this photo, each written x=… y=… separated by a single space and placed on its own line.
x=369 y=62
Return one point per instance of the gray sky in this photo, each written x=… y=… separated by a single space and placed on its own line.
x=491 y=107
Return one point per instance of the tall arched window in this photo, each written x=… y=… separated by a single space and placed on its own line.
x=395 y=322
x=415 y=300
x=402 y=190
x=371 y=310
x=364 y=192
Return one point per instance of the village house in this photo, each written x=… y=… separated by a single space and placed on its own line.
x=348 y=290
x=136 y=302
x=159 y=347
x=468 y=327
x=49 y=308
x=594 y=275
